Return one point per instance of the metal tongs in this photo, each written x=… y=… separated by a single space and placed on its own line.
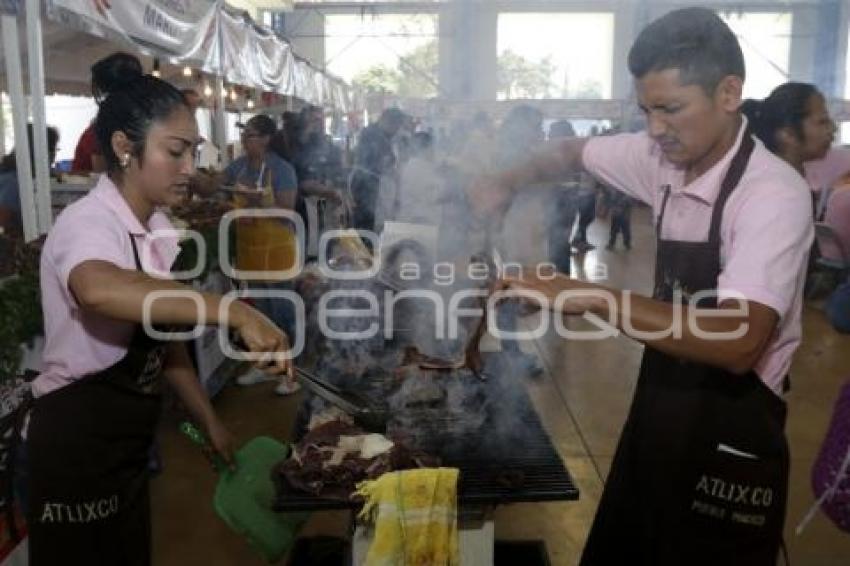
x=365 y=413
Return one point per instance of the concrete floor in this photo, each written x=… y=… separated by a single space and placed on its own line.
x=582 y=398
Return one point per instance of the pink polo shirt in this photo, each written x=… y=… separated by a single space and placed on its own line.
x=97 y=227
x=825 y=172
x=838 y=218
x=765 y=234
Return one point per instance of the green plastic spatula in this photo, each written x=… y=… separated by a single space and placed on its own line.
x=243 y=498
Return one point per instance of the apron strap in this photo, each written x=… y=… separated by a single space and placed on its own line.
x=730 y=182
x=660 y=219
x=659 y=265
x=259 y=184
x=135 y=252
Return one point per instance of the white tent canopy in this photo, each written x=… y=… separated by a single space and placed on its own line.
x=203 y=34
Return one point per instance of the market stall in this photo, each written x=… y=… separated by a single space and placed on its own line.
x=223 y=48
x=216 y=44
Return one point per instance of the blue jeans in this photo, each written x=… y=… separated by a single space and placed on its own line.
x=838 y=308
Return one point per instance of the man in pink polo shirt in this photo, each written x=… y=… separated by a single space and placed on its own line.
x=700 y=475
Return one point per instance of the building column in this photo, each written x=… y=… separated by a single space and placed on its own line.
x=468 y=33
x=827 y=54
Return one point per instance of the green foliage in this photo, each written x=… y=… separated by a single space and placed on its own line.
x=188 y=256
x=21 y=319
x=418 y=71
x=588 y=89
x=415 y=74
x=379 y=78
x=519 y=77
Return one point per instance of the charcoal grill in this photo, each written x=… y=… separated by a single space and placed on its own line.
x=530 y=470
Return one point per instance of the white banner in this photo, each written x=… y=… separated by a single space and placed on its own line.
x=206 y=34
x=182 y=31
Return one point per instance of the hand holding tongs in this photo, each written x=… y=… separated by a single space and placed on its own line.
x=365 y=413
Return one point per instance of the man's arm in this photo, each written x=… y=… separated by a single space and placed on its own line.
x=677 y=330
x=696 y=334
x=555 y=162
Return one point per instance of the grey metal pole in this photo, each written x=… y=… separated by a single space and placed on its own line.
x=14 y=80
x=35 y=58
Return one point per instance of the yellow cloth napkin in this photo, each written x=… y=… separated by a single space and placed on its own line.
x=414 y=513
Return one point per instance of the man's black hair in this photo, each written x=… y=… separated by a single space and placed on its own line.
x=693 y=40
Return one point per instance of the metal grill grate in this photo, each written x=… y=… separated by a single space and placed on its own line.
x=526 y=469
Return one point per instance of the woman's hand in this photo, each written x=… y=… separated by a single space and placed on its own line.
x=261 y=335
x=221 y=442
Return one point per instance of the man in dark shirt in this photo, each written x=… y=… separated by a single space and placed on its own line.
x=11 y=222
x=374 y=158
x=316 y=158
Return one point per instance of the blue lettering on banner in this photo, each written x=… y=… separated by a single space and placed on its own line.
x=153 y=18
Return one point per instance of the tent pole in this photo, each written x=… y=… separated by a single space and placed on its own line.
x=219 y=117
x=220 y=120
x=2 y=126
x=35 y=51
x=14 y=81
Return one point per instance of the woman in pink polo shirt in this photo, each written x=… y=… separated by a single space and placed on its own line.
x=700 y=475
x=837 y=216
x=97 y=400
x=793 y=122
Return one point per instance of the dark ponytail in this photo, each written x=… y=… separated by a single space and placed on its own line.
x=129 y=101
x=784 y=108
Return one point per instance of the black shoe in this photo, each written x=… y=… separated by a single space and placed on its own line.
x=583 y=247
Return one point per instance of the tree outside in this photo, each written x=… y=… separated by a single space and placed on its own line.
x=415 y=74
x=519 y=77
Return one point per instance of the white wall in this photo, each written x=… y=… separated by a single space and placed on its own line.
x=71 y=115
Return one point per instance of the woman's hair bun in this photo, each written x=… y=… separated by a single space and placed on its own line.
x=753 y=109
x=114 y=73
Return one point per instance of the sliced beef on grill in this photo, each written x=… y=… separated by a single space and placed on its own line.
x=319 y=467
